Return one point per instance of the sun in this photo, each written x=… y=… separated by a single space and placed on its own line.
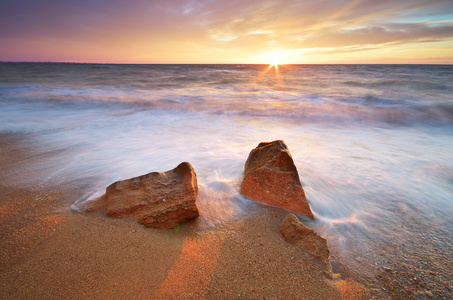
x=273 y=57
x=275 y=60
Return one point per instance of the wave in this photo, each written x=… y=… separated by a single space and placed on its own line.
x=418 y=85
x=376 y=94
x=252 y=102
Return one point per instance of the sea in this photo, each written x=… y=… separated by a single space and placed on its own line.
x=373 y=145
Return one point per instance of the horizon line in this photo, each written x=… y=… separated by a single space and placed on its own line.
x=126 y=63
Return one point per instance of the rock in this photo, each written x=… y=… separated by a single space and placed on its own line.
x=297 y=233
x=158 y=199
x=270 y=176
x=429 y=294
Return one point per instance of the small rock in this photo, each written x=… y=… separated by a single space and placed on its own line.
x=429 y=294
x=297 y=233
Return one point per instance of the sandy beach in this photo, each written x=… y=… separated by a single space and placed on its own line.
x=51 y=252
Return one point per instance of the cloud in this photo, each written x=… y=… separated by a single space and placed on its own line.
x=184 y=28
x=381 y=35
x=261 y=32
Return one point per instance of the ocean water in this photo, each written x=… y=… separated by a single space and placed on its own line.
x=373 y=145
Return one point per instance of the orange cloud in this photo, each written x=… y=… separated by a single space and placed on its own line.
x=215 y=31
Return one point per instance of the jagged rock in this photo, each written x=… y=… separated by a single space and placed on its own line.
x=297 y=233
x=270 y=176
x=158 y=199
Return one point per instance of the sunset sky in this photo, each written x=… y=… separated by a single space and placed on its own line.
x=233 y=31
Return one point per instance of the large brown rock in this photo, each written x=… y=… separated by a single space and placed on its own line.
x=297 y=233
x=158 y=199
x=270 y=176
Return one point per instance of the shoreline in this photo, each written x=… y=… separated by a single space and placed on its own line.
x=49 y=251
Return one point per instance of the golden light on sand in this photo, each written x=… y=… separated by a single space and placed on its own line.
x=192 y=271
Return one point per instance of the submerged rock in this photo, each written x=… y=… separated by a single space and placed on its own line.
x=158 y=199
x=270 y=176
x=297 y=233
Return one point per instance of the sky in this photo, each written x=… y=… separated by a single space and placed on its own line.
x=232 y=31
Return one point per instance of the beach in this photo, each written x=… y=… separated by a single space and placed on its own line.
x=51 y=252
x=372 y=145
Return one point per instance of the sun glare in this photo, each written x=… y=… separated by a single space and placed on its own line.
x=280 y=57
x=275 y=60
x=275 y=66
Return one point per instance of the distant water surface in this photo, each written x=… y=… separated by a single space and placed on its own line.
x=373 y=145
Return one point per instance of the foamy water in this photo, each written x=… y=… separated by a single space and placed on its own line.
x=373 y=144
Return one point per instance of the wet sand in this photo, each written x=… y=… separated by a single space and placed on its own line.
x=50 y=252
